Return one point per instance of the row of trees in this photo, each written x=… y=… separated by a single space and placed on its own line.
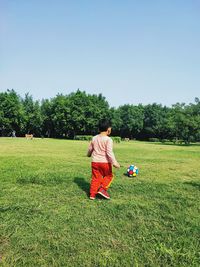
x=78 y=114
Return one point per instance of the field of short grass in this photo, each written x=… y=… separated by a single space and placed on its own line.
x=46 y=218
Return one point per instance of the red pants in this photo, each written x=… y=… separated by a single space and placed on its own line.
x=101 y=177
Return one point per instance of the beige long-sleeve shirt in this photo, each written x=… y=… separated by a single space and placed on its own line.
x=101 y=149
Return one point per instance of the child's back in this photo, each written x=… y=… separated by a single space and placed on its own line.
x=102 y=147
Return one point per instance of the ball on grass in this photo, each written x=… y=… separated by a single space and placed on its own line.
x=132 y=171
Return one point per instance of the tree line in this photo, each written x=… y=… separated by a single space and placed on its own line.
x=78 y=113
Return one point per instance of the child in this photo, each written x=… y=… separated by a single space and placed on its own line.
x=101 y=150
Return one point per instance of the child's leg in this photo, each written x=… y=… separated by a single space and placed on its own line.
x=108 y=176
x=96 y=179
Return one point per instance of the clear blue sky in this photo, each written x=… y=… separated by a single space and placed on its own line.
x=130 y=51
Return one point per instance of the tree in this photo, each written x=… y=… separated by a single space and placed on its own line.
x=96 y=110
x=80 y=113
x=47 y=122
x=131 y=120
x=117 y=121
x=11 y=113
x=186 y=122
x=33 y=117
x=59 y=116
x=155 y=122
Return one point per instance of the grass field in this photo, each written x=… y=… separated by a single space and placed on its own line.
x=46 y=218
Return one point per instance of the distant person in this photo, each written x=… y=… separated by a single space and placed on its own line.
x=101 y=150
x=13 y=134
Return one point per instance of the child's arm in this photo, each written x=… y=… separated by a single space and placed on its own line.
x=90 y=150
x=110 y=154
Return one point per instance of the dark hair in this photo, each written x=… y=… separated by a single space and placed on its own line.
x=104 y=125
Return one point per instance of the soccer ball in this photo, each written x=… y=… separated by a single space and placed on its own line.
x=132 y=171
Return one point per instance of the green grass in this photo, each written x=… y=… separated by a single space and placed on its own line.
x=46 y=218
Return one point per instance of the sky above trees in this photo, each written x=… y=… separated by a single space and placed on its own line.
x=130 y=51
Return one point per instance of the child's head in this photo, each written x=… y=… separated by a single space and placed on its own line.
x=105 y=126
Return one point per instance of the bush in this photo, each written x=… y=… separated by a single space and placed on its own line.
x=174 y=140
x=178 y=141
x=154 y=140
x=116 y=139
x=83 y=137
x=165 y=140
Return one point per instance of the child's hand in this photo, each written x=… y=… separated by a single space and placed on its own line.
x=116 y=165
x=89 y=154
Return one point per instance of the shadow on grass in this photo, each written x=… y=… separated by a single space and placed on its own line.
x=195 y=184
x=84 y=185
